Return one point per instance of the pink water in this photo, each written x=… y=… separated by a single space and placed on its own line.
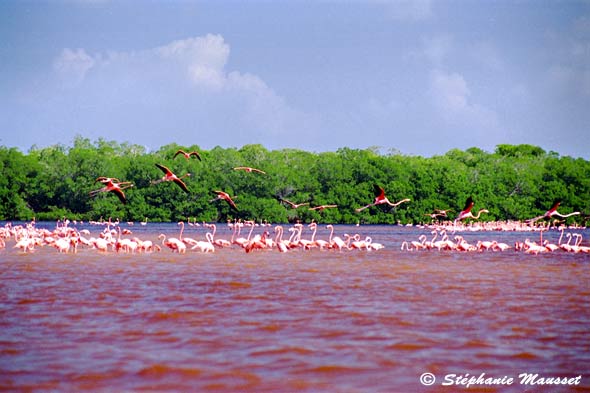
x=302 y=321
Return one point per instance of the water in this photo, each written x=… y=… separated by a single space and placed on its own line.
x=307 y=321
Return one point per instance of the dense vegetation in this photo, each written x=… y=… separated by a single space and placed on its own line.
x=513 y=183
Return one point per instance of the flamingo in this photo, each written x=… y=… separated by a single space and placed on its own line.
x=249 y=169
x=105 y=180
x=552 y=212
x=282 y=245
x=188 y=155
x=380 y=199
x=466 y=212
x=170 y=176
x=292 y=204
x=320 y=242
x=115 y=187
x=218 y=242
x=257 y=242
x=205 y=246
x=322 y=207
x=438 y=213
x=225 y=196
x=173 y=243
x=335 y=241
x=187 y=240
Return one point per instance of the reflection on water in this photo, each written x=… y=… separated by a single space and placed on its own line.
x=300 y=321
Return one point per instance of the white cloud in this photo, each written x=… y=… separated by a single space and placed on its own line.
x=451 y=98
x=72 y=65
x=178 y=85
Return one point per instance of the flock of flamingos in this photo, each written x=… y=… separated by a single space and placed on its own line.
x=113 y=238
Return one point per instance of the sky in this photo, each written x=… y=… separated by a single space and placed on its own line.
x=414 y=77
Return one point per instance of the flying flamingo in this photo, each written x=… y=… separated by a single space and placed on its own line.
x=438 y=213
x=115 y=187
x=552 y=212
x=380 y=199
x=188 y=155
x=225 y=196
x=249 y=169
x=169 y=176
x=294 y=205
x=466 y=212
x=322 y=207
x=105 y=180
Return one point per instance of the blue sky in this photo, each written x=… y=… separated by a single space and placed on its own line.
x=420 y=77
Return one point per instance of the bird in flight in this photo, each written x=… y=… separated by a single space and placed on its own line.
x=322 y=207
x=114 y=186
x=466 y=212
x=188 y=155
x=438 y=213
x=224 y=196
x=381 y=199
x=170 y=176
x=105 y=180
x=552 y=212
x=294 y=205
x=249 y=169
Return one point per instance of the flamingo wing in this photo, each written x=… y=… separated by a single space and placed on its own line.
x=553 y=208
x=196 y=154
x=179 y=152
x=120 y=194
x=225 y=196
x=181 y=185
x=167 y=171
x=468 y=205
x=379 y=191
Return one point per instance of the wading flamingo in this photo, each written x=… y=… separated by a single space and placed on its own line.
x=380 y=199
x=249 y=169
x=170 y=176
x=188 y=155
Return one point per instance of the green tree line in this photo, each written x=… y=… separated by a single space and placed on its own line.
x=515 y=182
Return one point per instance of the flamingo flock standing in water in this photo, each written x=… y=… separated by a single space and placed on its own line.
x=113 y=239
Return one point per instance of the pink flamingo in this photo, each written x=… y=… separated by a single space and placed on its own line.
x=322 y=207
x=282 y=245
x=466 y=212
x=188 y=155
x=320 y=243
x=380 y=199
x=552 y=212
x=170 y=176
x=173 y=243
x=224 y=196
x=114 y=187
x=335 y=241
x=249 y=169
x=294 y=205
x=217 y=242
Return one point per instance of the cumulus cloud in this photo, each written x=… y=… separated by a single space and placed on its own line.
x=451 y=98
x=185 y=79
